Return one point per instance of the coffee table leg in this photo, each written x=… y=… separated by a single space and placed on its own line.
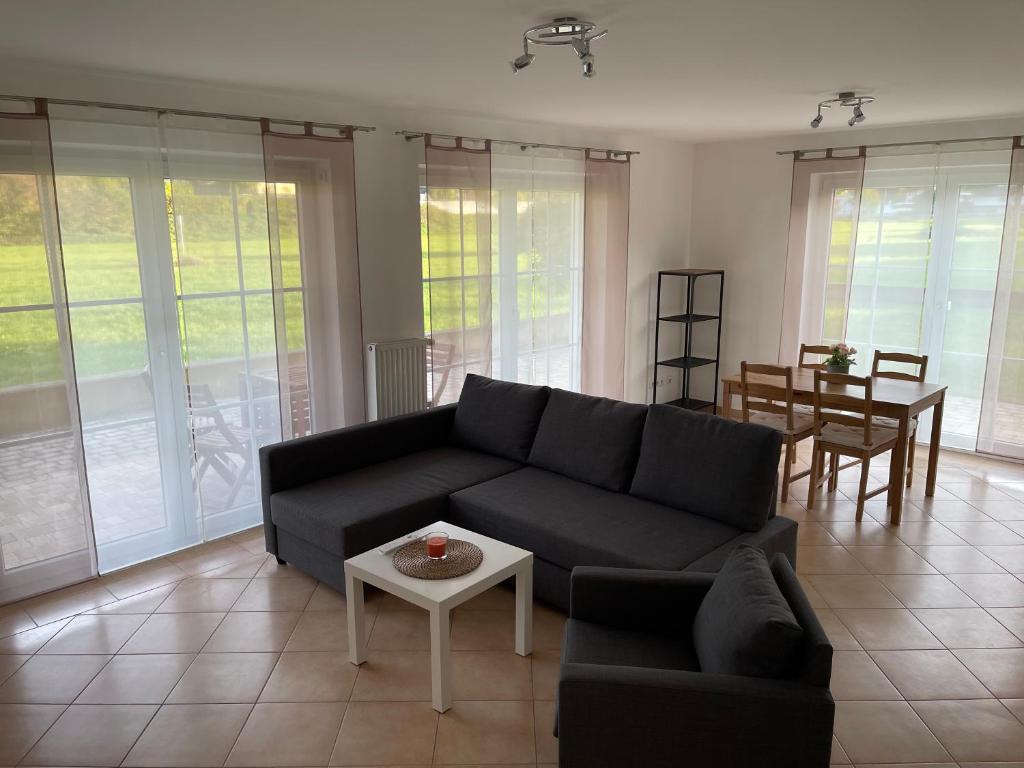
x=356 y=620
x=440 y=659
x=524 y=610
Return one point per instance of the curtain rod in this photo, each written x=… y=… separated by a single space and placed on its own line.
x=898 y=144
x=188 y=112
x=410 y=135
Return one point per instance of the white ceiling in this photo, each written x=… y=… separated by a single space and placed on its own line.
x=692 y=69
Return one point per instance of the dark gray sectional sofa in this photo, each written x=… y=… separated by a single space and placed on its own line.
x=576 y=480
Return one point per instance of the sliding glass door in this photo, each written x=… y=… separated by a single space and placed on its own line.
x=923 y=278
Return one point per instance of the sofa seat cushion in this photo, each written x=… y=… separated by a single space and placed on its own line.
x=591 y=439
x=569 y=523
x=356 y=511
x=589 y=643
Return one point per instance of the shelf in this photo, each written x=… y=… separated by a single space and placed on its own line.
x=691 y=272
x=687 y=362
x=688 y=318
x=691 y=404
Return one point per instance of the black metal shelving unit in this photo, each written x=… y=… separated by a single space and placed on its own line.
x=688 y=318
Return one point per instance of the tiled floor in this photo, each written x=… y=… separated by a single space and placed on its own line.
x=216 y=656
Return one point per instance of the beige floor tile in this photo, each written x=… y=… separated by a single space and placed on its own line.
x=310 y=676
x=368 y=734
x=864 y=533
x=958 y=559
x=992 y=590
x=173 y=633
x=814 y=560
x=853 y=592
x=93 y=734
x=94 y=634
x=189 y=736
x=206 y=557
x=491 y=676
x=926 y=675
x=143 y=602
x=981 y=533
x=833 y=508
x=272 y=569
x=891 y=559
x=838 y=755
x=275 y=595
x=142 y=578
x=10 y=663
x=837 y=632
x=855 y=677
x=224 y=678
x=927 y=534
x=966 y=628
x=1003 y=509
x=548 y=627
x=289 y=734
x=136 y=679
x=253 y=632
x=51 y=679
x=67 y=602
x=400 y=631
x=203 y=596
x=545 y=673
x=482 y=630
x=323 y=631
x=975 y=490
x=486 y=732
x=814 y=534
x=974 y=730
x=873 y=731
x=920 y=591
x=243 y=569
x=817 y=601
x=1010 y=557
x=499 y=598
x=393 y=676
x=956 y=510
x=13 y=620
x=887 y=629
x=23 y=724
x=31 y=640
x=1000 y=669
x=325 y=598
x=543 y=729
x=1011 y=618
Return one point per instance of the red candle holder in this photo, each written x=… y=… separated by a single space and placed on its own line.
x=437 y=545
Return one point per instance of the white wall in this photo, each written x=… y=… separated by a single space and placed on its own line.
x=740 y=220
x=386 y=179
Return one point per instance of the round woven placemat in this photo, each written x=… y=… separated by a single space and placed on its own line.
x=463 y=557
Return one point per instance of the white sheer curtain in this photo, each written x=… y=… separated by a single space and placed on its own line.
x=903 y=256
x=537 y=229
x=1002 y=413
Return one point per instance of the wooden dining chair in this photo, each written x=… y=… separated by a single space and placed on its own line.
x=771 y=404
x=843 y=426
x=921 y=361
x=813 y=349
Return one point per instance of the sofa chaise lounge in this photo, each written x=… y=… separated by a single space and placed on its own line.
x=577 y=480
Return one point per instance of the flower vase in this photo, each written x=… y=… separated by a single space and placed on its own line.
x=837 y=368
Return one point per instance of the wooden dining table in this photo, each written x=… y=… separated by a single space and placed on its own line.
x=900 y=400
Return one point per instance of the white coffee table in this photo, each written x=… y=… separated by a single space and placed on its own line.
x=439 y=597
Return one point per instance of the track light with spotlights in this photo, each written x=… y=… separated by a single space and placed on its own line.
x=562 y=31
x=844 y=99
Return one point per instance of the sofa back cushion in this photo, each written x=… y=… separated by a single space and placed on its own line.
x=498 y=417
x=744 y=625
x=591 y=439
x=708 y=466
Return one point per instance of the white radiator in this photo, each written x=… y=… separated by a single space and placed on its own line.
x=396 y=377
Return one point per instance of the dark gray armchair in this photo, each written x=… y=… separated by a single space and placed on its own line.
x=631 y=692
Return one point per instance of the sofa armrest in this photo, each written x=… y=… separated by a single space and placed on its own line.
x=610 y=716
x=663 y=601
x=317 y=457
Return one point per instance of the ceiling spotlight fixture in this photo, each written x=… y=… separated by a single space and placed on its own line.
x=563 y=31
x=844 y=99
